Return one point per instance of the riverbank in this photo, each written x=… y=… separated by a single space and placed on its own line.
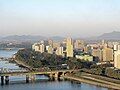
x=22 y=64
x=94 y=81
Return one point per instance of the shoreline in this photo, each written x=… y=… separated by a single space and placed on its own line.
x=86 y=79
x=21 y=64
x=96 y=82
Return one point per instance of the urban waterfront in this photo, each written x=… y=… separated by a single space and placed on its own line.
x=59 y=45
x=18 y=83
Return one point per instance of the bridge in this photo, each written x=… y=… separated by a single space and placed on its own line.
x=30 y=75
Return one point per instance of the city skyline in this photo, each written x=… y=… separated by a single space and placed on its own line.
x=60 y=44
x=59 y=18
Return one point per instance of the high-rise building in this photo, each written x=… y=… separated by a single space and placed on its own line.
x=50 y=42
x=42 y=48
x=50 y=49
x=117 y=59
x=87 y=49
x=79 y=44
x=56 y=44
x=116 y=46
x=97 y=53
x=59 y=51
x=107 y=54
x=69 y=47
x=36 y=48
x=47 y=48
x=103 y=42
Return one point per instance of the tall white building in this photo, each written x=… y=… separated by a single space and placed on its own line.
x=59 y=51
x=79 y=44
x=116 y=47
x=34 y=46
x=38 y=47
x=69 y=47
x=108 y=54
x=117 y=59
x=50 y=49
x=42 y=48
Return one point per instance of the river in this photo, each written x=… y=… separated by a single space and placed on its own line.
x=42 y=83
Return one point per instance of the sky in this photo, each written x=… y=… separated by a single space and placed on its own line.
x=76 y=18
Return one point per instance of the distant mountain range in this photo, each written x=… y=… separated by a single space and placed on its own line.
x=115 y=35
x=22 y=38
x=31 y=38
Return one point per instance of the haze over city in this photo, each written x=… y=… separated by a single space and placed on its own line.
x=59 y=44
x=76 y=18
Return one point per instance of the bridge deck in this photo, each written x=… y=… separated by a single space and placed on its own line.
x=33 y=73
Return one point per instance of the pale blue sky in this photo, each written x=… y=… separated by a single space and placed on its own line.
x=80 y=18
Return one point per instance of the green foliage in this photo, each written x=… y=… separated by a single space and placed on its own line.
x=104 y=70
x=53 y=61
x=39 y=60
x=110 y=72
x=78 y=64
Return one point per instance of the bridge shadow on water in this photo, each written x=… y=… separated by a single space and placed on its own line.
x=41 y=79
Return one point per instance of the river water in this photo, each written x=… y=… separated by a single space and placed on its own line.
x=42 y=83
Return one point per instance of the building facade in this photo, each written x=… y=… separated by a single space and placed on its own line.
x=69 y=47
x=108 y=54
x=117 y=59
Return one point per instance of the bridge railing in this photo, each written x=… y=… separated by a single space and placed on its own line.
x=5 y=70
x=9 y=71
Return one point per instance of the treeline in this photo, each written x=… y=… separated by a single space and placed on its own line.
x=53 y=61
x=37 y=59
x=113 y=73
x=75 y=63
x=104 y=70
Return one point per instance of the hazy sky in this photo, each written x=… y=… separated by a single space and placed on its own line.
x=80 y=18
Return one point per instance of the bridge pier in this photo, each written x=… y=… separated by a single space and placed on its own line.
x=63 y=74
x=51 y=76
x=2 y=80
x=32 y=78
x=6 y=80
x=27 y=78
x=56 y=76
